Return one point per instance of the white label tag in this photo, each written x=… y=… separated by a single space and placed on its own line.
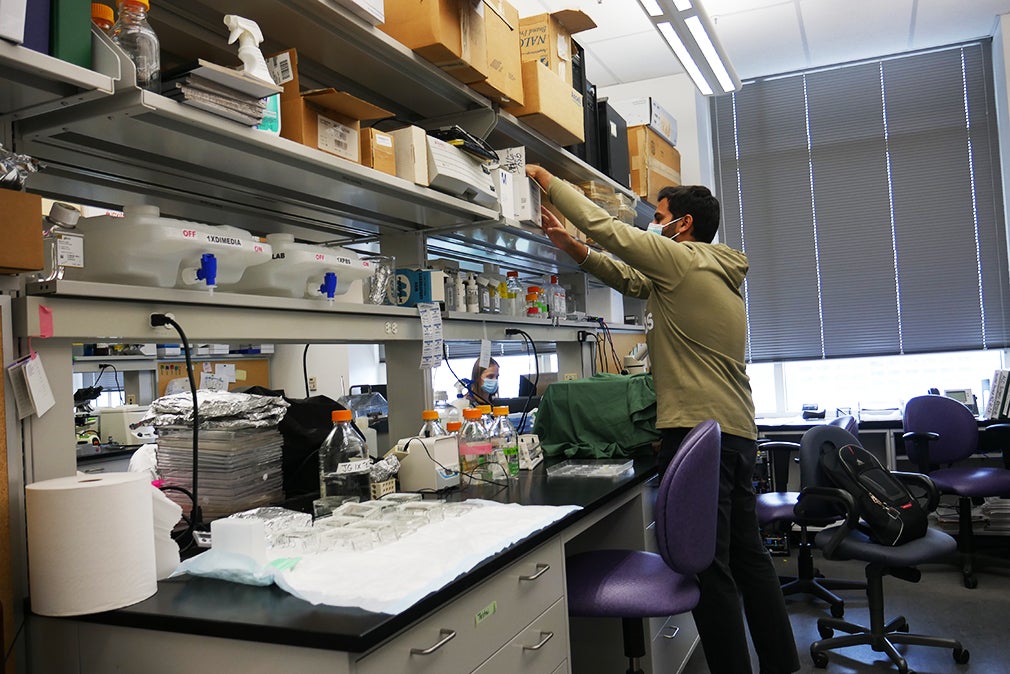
x=337 y=138
x=361 y=466
x=280 y=68
x=70 y=250
x=384 y=140
x=485 y=353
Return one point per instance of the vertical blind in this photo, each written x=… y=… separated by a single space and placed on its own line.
x=868 y=200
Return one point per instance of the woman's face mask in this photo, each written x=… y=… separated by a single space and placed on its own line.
x=489 y=386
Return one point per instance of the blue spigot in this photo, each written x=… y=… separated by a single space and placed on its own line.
x=329 y=287
x=208 y=270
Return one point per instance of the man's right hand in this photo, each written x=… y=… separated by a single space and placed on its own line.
x=559 y=236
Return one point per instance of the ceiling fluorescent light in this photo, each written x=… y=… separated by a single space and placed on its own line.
x=685 y=58
x=652 y=7
x=682 y=5
x=710 y=53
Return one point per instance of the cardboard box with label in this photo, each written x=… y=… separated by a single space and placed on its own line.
x=548 y=38
x=525 y=198
x=552 y=107
x=411 y=148
x=378 y=151
x=644 y=110
x=21 y=226
x=654 y=162
x=504 y=83
x=449 y=33
x=326 y=119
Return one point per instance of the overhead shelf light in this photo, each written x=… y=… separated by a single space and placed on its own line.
x=688 y=31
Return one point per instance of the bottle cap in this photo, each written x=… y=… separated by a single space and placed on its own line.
x=531 y=297
x=341 y=415
x=471 y=413
x=484 y=409
x=100 y=11
x=554 y=279
x=501 y=410
x=513 y=274
x=429 y=415
x=453 y=426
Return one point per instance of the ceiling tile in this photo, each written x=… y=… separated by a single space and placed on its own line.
x=631 y=58
x=761 y=41
x=857 y=29
x=939 y=22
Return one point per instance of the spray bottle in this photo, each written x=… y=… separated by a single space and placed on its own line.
x=249 y=37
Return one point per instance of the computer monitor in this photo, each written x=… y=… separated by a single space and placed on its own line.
x=526 y=387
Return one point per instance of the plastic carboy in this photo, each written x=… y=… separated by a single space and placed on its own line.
x=474 y=447
x=430 y=428
x=135 y=36
x=505 y=442
x=343 y=461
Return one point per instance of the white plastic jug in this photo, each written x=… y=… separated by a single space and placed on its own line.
x=303 y=270
x=143 y=248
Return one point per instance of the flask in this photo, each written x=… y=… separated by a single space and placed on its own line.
x=516 y=294
x=136 y=37
x=249 y=37
x=430 y=428
x=343 y=461
x=474 y=447
x=505 y=441
x=102 y=16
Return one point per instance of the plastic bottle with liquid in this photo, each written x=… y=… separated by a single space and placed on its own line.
x=460 y=291
x=135 y=36
x=556 y=299
x=343 y=461
x=505 y=442
x=514 y=305
x=460 y=402
x=474 y=447
x=486 y=417
x=102 y=16
x=430 y=428
x=472 y=295
x=446 y=411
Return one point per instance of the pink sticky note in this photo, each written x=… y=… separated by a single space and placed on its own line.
x=45 y=321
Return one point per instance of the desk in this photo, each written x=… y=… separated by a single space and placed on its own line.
x=221 y=626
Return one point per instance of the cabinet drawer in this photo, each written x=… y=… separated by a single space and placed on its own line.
x=479 y=622
x=673 y=641
x=562 y=668
x=537 y=649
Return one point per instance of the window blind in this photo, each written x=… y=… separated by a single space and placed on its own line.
x=868 y=200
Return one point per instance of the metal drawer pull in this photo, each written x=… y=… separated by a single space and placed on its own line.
x=541 y=570
x=544 y=638
x=676 y=631
x=447 y=636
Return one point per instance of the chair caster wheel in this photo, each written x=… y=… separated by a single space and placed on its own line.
x=820 y=660
x=826 y=633
x=970 y=581
x=903 y=628
x=961 y=655
x=837 y=610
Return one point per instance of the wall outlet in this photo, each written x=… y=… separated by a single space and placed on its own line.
x=569 y=376
x=131 y=399
x=312 y=384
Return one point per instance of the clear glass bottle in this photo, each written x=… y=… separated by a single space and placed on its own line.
x=486 y=417
x=556 y=299
x=516 y=295
x=344 y=465
x=430 y=428
x=102 y=16
x=474 y=447
x=505 y=441
x=135 y=36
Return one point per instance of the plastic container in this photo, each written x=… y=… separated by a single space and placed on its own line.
x=474 y=448
x=343 y=461
x=249 y=36
x=135 y=36
x=303 y=270
x=430 y=428
x=143 y=248
x=505 y=442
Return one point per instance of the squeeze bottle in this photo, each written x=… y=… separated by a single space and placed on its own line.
x=249 y=36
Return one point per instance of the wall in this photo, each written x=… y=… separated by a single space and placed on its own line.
x=1001 y=65
x=328 y=363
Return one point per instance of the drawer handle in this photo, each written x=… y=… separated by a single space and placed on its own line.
x=94 y=471
x=541 y=570
x=544 y=638
x=674 y=633
x=447 y=636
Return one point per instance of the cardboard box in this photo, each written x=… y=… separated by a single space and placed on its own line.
x=449 y=33
x=378 y=151
x=552 y=107
x=504 y=83
x=646 y=111
x=411 y=149
x=548 y=38
x=654 y=162
x=21 y=228
x=326 y=119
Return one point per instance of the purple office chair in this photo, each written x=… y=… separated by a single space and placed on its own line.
x=847 y=541
x=632 y=584
x=939 y=432
x=776 y=508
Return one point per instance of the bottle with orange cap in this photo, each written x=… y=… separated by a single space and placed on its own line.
x=135 y=36
x=505 y=442
x=344 y=465
x=102 y=16
x=474 y=447
x=430 y=428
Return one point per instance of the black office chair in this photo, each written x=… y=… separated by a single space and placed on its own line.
x=847 y=541
x=777 y=508
x=942 y=432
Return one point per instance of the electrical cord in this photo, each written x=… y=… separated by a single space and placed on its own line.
x=613 y=349
x=158 y=320
x=530 y=346
x=305 y=368
x=465 y=383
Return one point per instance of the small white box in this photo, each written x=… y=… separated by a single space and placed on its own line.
x=114 y=423
x=646 y=111
x=428 y=463
x=506 y=193
x=526 y=195
x=411 y=154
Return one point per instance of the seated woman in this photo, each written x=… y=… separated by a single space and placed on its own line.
x=483 y=383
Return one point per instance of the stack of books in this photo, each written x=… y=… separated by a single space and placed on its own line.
x=998 y=406
x=232 y=94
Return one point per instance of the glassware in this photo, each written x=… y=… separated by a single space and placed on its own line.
x=505 y=442
x=343 y=461
x=474 y=447
x=430 y=428
x=135 y=36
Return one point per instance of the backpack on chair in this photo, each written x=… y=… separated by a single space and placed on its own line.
x=891 y=513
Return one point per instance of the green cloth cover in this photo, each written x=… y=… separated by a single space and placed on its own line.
x=604 y=416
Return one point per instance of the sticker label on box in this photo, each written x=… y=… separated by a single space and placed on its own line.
x=70 y=250
x=337 y=138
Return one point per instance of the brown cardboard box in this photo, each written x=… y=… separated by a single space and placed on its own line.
x=552 y=107
x=326 y=119
x=548 y=38
x=504 y=83
x=654 y=162
x=21 y=229
x=449 y=33
x=378 y=151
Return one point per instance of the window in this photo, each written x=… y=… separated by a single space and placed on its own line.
x=867 y=198
x=511 y=357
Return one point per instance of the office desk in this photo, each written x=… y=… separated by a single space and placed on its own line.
x=205 y=624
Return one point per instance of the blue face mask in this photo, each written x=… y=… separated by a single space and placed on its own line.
x=489 y=386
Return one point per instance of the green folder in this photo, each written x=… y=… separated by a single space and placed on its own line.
x=71 y=31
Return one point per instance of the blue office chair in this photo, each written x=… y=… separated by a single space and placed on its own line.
x=776 y=508
x=941 y=432
x=847 y=541
x=632 y=584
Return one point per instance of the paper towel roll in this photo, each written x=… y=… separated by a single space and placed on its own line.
x=90 y=543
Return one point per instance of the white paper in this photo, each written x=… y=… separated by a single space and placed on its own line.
x=213 y=382
x=38 y=385
x=431 y=335
x=485 y=353
x=19 y=388
x=225 y=371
